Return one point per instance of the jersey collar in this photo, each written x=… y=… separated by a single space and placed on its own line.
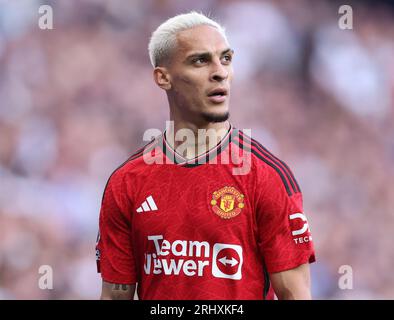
x=203 y=158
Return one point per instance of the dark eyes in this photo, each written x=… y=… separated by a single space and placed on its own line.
x=226 y=59
x=199 y=60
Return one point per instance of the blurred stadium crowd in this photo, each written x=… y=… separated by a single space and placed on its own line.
x=76 y=100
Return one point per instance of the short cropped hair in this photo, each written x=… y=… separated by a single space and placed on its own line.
x=163 y=39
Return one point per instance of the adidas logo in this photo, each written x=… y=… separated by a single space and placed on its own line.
x=148 y=205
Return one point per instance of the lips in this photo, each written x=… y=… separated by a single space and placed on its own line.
x=218 y=95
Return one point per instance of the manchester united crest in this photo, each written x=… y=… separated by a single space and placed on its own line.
x=227 y=202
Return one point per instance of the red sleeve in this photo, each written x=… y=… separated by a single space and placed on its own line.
x=114 y=253
x=284 y=237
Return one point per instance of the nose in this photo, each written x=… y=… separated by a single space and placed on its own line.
x=219 y=72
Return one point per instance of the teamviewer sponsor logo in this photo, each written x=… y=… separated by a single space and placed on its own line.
x=227 y=261
x=191 y=258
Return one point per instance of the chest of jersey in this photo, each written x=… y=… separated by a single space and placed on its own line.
x=206 y=201
x=187 y=218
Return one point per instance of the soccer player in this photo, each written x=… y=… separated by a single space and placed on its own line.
x=188 y=225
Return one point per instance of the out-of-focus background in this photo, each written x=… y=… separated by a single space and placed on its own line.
x=76 y=100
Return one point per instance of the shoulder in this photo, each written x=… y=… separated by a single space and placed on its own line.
x=131 y=167
x=268 y=165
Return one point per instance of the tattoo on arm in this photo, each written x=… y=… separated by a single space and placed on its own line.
x=118 y=287
x=116 y=291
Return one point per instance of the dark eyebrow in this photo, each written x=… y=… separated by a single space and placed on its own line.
x=207 y=55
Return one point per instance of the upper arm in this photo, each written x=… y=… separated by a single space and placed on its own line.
x=114 y=249
x=283 y=234
x=293 y=284
x=113 y=291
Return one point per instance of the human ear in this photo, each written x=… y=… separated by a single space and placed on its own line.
x=162 y=78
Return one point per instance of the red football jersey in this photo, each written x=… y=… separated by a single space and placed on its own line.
x=212 y=227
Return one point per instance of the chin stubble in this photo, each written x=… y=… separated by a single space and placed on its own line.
x=213 y=117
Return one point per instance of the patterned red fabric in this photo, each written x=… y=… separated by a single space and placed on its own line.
x=186 y=231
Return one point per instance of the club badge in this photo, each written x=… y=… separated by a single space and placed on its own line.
x=227 y=202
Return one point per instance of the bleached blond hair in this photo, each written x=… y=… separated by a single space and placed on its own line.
x=163 y=39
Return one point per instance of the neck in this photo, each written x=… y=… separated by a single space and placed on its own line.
x=191 y=139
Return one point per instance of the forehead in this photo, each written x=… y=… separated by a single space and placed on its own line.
x=201 y=38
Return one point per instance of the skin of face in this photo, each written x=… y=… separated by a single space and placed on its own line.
x=200 y=63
